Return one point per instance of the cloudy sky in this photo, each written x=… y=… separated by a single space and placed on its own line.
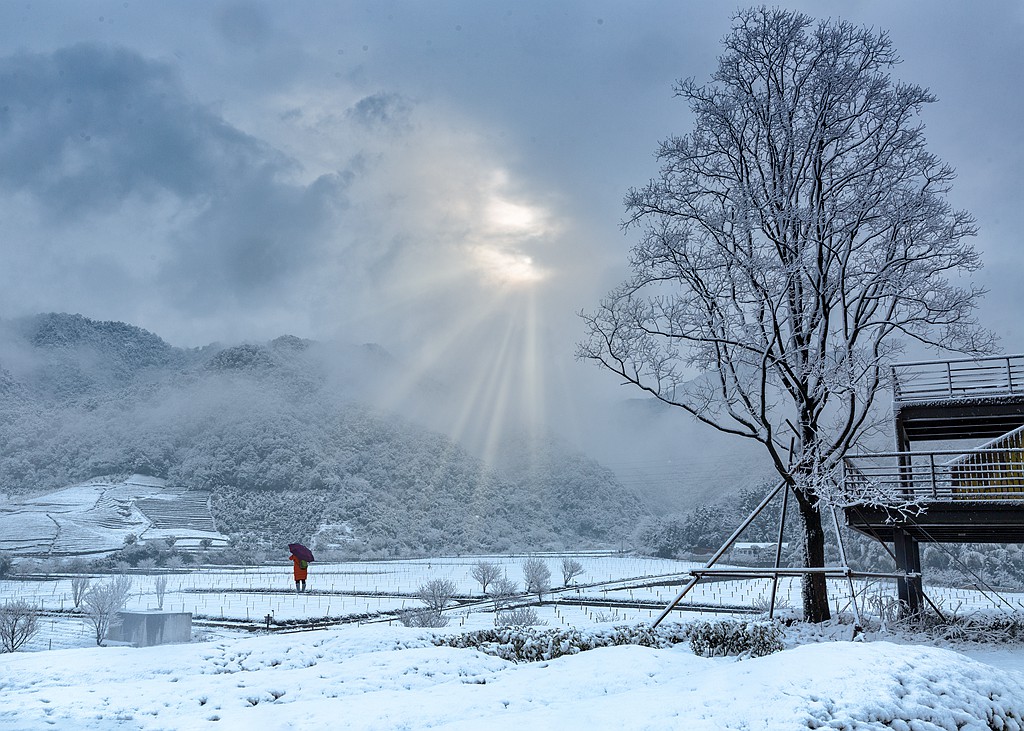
x=443 y=178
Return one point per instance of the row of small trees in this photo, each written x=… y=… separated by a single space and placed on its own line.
x=438 y=594
x=536 y=576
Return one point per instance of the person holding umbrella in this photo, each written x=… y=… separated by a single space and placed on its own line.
x=300 y=558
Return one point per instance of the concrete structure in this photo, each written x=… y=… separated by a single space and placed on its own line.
x=153 y=627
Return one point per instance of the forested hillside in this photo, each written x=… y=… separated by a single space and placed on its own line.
x=279 y=435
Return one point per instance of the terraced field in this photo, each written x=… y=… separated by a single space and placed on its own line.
x=96 y=516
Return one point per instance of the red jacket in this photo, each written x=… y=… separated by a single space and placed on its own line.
x=297 y=569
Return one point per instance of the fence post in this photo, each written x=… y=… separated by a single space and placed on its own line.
x=931 y=464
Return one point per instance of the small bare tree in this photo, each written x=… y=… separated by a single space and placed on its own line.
x=19 y=622
x=160 y=586
x=79 y=586
x=485 y=572
x=571 y=568
x=536 y=577
x=437 y=594
x=422 y=617
x=103 y=602
x=792 y=244
x=502 y=590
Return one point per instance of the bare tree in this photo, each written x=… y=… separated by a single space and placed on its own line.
x=791 y=246
x=103 y=602
x=536 y=577
x=19 y=622
x=160 y=587
x=79 y=587
x=502 y=590
x=437 y=594
x=571 y=568
x=485 y=572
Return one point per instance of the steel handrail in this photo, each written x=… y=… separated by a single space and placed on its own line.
x=940 y=378
x=983 y=474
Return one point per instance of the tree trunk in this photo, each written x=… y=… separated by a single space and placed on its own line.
x=813 y=589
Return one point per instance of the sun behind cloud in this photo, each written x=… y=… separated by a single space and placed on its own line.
x=507 y=267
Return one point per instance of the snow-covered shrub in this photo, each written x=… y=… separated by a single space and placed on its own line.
x=424 y=617
x=571 y=568
x=730 y=637
x=979 y=627
x=518 y=617
x=530 y=644
x=764 y=603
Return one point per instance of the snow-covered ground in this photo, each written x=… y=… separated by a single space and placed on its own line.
x=387 y=678
x=381 y=675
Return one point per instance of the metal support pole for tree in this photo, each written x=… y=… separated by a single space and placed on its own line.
x=721 y=551
x=846 y=565
x=778 y=554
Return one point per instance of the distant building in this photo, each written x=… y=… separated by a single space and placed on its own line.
x=756 y=550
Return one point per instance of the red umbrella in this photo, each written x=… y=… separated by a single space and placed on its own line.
x=300 y=551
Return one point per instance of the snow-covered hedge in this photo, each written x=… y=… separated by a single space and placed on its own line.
x=530 y=644
x=729 y=637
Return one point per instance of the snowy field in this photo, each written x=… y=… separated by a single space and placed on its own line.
x=373 y=673
x=372 y=590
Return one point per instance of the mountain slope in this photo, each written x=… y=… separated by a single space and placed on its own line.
x=278 y=434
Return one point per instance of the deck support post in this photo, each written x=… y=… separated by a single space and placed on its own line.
x=908 y=560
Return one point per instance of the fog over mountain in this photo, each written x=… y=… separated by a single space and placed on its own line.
x=289 y=437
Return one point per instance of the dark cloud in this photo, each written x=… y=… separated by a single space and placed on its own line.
x=245 y=25
x=86 y=127
x=256 y=240
x=383 y=111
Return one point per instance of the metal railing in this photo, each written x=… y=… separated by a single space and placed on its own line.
x=944 y=476
x=965 y=378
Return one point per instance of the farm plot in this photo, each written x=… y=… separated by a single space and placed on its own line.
x=613 y=588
